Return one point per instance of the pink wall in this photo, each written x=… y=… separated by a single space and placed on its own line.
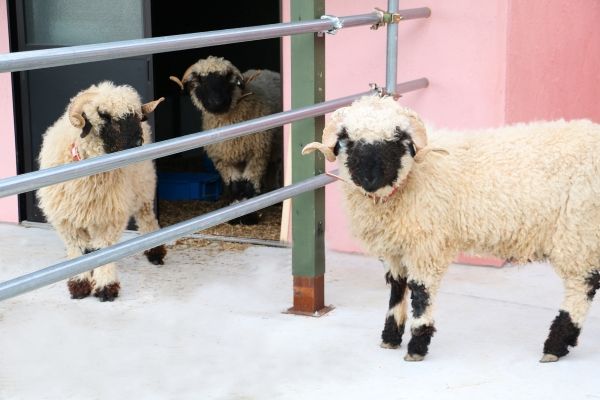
x=8 y=205
x=461 y=49
x=553 y=60
x=489 y=63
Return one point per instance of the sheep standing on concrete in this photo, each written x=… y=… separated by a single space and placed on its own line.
x=92 y=212
x=225 y=96
x=522 y=192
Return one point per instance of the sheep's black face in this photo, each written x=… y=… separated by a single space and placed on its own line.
x=215 y=91
x=122 y=133
x=374 y=165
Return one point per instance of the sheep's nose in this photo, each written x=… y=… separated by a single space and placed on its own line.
x=371 y=183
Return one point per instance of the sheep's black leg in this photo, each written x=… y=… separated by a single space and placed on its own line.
x=422 y=328
x=396 y=316
x=566 y=327
x=80 y=286
x=563 y=333
x=243 y=189
x=147 y=222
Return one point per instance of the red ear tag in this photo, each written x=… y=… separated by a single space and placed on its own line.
x=75 y=153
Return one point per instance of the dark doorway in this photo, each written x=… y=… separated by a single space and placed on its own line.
x=177 y=116
x=42 y=95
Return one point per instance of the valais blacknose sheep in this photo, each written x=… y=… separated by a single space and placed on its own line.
x=92 y=212
x=521 y=192
x=226 y=96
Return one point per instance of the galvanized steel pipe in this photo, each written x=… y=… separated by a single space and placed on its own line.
x=45 y=177
x=391 y=65
x=36 y=59
x=75 y=266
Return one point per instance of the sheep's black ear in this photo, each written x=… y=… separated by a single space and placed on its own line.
x=87 y=127
x=342 y=135
x=404 y=138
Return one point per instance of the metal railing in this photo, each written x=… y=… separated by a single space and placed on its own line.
x=49 y=176
x=80 y=54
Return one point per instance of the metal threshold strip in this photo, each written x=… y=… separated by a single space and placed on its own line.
x=201 y=236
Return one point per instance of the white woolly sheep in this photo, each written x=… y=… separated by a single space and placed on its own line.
x=225 y=96
x=92 y=212
x=521 y=192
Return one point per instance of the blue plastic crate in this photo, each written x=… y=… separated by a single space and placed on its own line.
x=189 y=186
x=207 y=164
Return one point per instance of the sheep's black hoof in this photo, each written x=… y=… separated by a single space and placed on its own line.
x=248 y=219
x=156 y=254
x=79 y=288
x=392 y=334
x=108 y=292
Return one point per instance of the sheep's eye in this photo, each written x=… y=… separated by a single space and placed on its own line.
x=238 y=82
x=104 y=115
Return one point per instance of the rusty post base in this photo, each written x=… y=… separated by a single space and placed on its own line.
x=309 y=296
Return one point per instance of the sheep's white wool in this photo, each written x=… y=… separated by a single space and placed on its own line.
x=261 y=96
x=379 y=124
x=528 y=191
x=92 y=212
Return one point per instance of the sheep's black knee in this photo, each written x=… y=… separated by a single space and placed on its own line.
x=419 y=296
x=421 y=336
x=156 y=255
x=242 y=189
x=593 y=282
x=393 y=330
x=420 y=340
x=563 y=333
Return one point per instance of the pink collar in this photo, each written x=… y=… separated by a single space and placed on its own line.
x=75 y=152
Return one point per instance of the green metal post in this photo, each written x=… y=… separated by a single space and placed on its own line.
x=308 y=210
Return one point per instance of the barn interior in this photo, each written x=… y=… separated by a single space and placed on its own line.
x=188 y=184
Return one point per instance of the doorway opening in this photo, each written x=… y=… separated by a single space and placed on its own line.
x=188 y=184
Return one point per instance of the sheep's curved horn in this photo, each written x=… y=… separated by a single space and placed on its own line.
x=76 y=108
x=333 y=127
x=327 y=151
x=184 y=78
x=419 y=134
x=177 y=81
x=150 y=106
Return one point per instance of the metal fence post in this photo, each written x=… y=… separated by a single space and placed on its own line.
x=308 y=209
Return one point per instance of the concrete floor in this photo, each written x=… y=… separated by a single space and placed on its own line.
x=209 y=325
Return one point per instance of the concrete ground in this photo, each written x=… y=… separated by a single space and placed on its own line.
x=209 y=325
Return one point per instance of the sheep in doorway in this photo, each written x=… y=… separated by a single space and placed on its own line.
x=92 y=212
x=521 y=192
x=226 y=96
